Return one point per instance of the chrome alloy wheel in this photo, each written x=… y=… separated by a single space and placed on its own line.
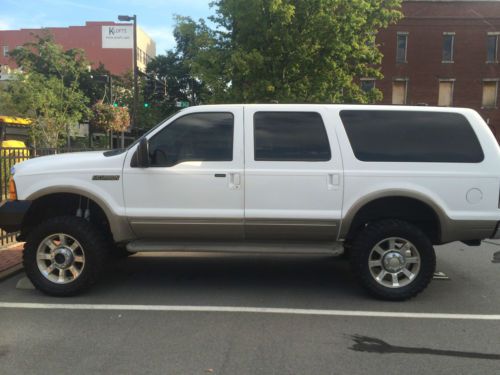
x=60 y=258
x=394 y=262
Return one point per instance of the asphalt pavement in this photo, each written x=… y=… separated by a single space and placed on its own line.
x=142 y=318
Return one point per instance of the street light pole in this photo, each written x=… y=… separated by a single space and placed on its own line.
x=136 y=74
x=135 y=71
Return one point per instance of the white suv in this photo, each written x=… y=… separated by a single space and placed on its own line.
x=384 y=183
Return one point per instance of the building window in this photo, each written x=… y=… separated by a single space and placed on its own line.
x=492 y=45
x=490 y=89
x=402 y=44
x=448 y=43
x=399 y=90
x=367 y=84
x=5 y=51
x=445 y=93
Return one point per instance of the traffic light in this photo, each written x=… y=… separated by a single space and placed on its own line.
x=146 y=105
x=115 y=104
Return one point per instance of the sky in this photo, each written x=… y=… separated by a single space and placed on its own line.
x=153 y=16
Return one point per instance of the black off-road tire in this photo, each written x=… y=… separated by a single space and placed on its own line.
x=95 y=247
x=375 y=232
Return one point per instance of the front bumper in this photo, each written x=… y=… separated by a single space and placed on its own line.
x=12 y=214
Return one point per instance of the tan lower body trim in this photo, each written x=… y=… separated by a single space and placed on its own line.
x=235 y=229
x=297 y=229
x=188 y=228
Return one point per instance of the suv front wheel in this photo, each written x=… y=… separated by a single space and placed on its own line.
x=393 y=259
x=64 y=255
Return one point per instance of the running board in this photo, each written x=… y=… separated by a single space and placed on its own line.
x=327 y=248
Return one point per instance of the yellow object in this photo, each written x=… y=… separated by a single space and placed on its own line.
x=12 y=189
x=11 y=143
x=15 y=120
x=11 y=152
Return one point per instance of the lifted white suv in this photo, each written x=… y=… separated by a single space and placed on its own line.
x=385 y=183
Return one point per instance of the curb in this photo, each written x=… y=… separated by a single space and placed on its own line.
x=11 y=271
x=13 y=267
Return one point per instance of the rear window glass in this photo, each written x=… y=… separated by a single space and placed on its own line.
x=290 y=136
x=411 y=136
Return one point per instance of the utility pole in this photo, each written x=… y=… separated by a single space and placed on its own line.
x=135 y=72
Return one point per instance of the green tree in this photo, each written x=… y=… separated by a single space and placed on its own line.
x=109 y=118
x=48 y=89
x=311 y=51
x=54 y=107
x=7 y=105
x=170 y=78
x=94 y=84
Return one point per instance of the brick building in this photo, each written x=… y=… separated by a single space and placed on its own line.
x=443 y=52
x=109 y=43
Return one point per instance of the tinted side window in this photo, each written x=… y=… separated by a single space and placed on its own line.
x=290 y=136
x=411 y=136
x=194 y=137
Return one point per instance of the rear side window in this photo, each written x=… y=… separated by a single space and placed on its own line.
x=411 y=136
x=290 y=136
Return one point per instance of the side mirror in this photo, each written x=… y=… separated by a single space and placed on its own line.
x=143 y=153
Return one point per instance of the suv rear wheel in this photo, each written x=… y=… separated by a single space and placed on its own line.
x=393 y=259
x=64 y=255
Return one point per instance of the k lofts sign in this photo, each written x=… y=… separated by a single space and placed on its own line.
x=117 y=36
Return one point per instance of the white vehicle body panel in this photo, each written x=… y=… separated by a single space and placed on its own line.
x=161 y=200
x=72 y=171
x=304 y=193
x=276 y=195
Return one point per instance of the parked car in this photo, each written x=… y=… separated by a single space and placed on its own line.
x=385 y=183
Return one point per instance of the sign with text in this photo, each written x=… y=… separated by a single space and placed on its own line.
x=117 y=36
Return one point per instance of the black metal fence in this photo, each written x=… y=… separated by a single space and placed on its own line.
x=9 y=156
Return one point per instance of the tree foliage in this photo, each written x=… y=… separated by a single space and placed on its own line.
x=94 y=84
x=312 y=51
x=45 y=57
x=48 y=90
x=54 y=107
x=170 y=78
x=109 y=118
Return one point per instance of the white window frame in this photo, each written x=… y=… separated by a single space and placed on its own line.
x=447 y=33
x=5 y=51
x=489 y=80
x=405 y=34
x=405 y=80
x=452 y=81
x=495 y=34
x=369 y=80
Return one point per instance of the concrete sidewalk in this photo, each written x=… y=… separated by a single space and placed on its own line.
x=11 y=260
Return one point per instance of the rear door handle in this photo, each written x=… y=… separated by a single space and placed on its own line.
x=234 y=180
x=333 y=181
x=220 y=175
